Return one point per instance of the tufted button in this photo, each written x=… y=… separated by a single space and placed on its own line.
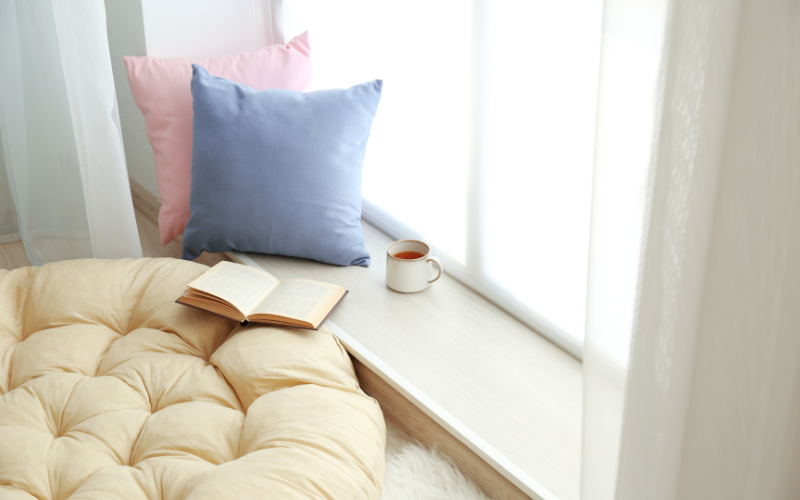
x=69 y=348
x=111 y=390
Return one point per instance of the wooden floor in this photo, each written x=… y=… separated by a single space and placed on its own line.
x=146 y=208
x=12 y=255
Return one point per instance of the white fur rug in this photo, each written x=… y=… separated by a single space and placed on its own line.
x=414 y=472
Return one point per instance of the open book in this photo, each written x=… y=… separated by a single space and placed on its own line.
x=248 y=294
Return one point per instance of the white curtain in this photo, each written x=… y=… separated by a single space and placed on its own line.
x=9 y=230
x=64 y=174
x=692 y=354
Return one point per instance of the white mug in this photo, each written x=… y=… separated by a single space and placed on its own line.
x=409 y=275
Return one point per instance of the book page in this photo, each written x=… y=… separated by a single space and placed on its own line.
x=300 y=299
x=241 y=286
x=217 y=307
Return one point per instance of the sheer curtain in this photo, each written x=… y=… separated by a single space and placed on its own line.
x=692 y=356
x=483 y=142
x=64 y=175
x=9 y=230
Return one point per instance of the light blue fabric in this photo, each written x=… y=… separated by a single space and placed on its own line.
x=278 y=171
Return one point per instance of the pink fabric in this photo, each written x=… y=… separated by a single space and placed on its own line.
x=161 y=89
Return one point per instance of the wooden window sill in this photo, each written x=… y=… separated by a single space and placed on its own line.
x=512 y=396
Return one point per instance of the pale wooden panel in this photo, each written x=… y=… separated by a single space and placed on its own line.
x=511 y=386
x=396 y=438
x=424 y=429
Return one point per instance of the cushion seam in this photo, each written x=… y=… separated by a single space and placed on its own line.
x=371 y=476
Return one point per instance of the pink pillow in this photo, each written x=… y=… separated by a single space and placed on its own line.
x=161 y=89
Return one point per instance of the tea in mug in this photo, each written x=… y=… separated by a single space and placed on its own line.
x=408 y=255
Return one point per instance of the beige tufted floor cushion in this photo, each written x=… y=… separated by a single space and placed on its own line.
x=110 y=390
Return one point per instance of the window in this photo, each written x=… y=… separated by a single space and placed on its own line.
x=484 y=139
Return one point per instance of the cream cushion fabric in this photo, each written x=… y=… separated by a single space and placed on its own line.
x=109 y=389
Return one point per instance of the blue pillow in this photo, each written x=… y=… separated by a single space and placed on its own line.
x=278 y=171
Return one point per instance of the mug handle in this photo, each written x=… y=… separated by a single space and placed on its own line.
x=438 y=263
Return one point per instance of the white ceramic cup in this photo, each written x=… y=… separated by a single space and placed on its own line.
x=410 y=275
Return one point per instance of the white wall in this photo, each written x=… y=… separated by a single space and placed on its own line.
x=126 y=38
x=177 y=28
x=208 y=28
